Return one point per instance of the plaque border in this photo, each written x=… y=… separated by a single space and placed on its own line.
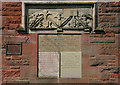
x=13 y=53
x=24 y=13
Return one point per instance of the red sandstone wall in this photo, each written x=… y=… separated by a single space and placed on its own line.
x=99 y=52
x=109 y=16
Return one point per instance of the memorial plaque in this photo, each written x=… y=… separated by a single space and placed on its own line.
x=48 y=65
x=59 y=43
x=13 y=49
x=64 y=48
x=71 y=65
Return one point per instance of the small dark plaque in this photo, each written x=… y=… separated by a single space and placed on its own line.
x=14 y=49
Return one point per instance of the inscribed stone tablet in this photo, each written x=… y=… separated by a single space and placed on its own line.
x=71 y=64
x=48 y=64
x=59 y=43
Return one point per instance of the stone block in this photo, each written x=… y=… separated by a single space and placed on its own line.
x=112 y=30
x=105 y=4
x=11 y=73
x=104 y=19
x=94 y=81
x=108 y=49
x=107 y=35
x=104 y=25
x=12 y=4
x=94 y=62
x=3 y=51
x=9 y=32
x=25 y=71
x=114 y=4
x=16 y=39
x=71 y=65
x=58 y=43
x=12 y=19
x=14 y=62
x=102 y=40
x=14 y=67
x=14 y=9
x=48 y=65
x=111 y=10
x=5 y=13
x=105 y=57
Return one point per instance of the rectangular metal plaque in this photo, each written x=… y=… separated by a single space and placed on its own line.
x=14 y=49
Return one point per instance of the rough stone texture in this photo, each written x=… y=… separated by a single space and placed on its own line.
x=108 y=16
x=100 y=57
x=11 y=13
x=104 y=62
x=9 y=74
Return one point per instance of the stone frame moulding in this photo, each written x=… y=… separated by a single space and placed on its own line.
x=19 y=44
x=25 y=22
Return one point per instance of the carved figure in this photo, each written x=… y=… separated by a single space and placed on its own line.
x=47 y=19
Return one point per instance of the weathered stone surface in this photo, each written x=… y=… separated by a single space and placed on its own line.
x=59 y=43
x=3 y=51
x=112 y=30
x=48 y=65
x=11 y=9
x=17 y=62
x=11 y=73
x=111 y=10
x=102 y=40
x=116 y=70
x=94 y=80
x=14 y=67
x=100 y=51
x=71 y=65
x=111 y=69
x=16 y=39
x=9 y=32
x=105 y=57
x=108 y=49
x=104 y=19
x=95 y=62
x=107 y=35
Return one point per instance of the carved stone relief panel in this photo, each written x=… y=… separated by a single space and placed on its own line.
x=62 y=18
